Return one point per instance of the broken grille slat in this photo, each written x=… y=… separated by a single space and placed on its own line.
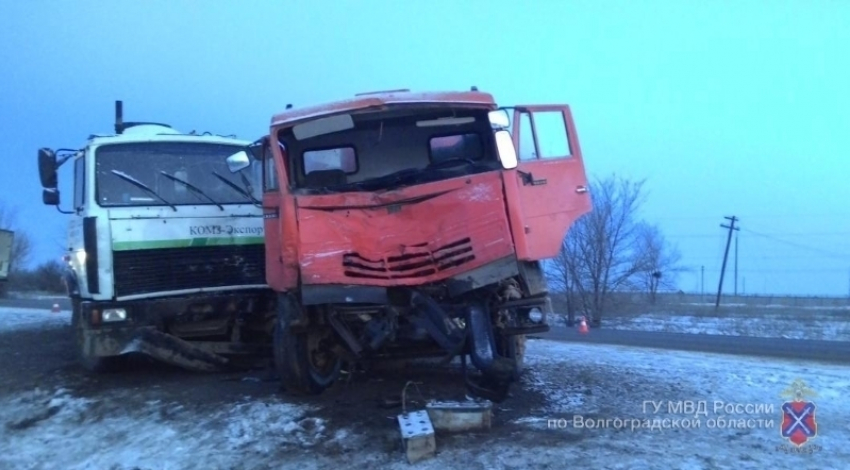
x=410 y=265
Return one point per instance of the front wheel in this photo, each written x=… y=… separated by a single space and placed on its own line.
x=303 y=358
x=513 y=348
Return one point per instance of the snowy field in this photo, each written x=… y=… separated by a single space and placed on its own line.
x=52 y=428
x=825 y=324
x=768 y=321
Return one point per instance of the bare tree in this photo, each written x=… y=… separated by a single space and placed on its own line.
x=609 y=250
x=660 y=262
x=561 y=281
x=22 y=244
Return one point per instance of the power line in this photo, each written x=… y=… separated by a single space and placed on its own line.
x=754 y=216
x=771 y=234
x=769 y=270
x=761 y=257
x=798 y=245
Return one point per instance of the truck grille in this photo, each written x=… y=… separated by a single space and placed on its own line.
x=168 y=269
x=417 y=262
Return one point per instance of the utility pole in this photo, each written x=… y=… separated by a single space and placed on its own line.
x=736 y=264
x=731 y=227
x=702 y=283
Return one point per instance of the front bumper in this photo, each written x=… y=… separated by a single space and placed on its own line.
x=148 y=324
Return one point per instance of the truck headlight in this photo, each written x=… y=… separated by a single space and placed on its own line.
x=114 y=314
x=536 y=315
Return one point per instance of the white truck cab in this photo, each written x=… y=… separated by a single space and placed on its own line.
x=165 y=247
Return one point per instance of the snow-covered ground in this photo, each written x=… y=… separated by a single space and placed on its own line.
x=830 y=325
x=36 y=295
x=28 y=318
x=618 y=386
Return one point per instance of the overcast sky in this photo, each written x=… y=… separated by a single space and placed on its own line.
x=726 y=108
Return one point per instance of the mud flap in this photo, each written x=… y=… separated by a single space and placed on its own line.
x=175 y=351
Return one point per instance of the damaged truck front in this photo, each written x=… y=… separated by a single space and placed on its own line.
x=165 y=251
x=411 y=225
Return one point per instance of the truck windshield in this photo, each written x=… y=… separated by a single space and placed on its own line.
x=387 y=150
x=164 y=167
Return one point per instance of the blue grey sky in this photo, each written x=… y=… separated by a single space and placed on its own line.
x=726 y=108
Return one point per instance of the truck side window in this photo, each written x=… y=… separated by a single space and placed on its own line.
x=79 y=182
x=551 y=130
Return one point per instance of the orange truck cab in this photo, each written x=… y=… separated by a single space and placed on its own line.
x=412 y=225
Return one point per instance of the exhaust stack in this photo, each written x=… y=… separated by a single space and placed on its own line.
x=119 y=117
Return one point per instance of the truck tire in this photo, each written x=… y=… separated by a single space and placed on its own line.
x=519 y=353
x=90 y=363
x=513 y=347
x=302 y=362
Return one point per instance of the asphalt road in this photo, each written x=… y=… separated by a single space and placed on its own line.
x=831 y=351
x=46 y=304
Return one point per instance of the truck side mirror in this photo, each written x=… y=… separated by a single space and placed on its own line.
x=238 y=161
x=47 y=168
x=507 y=152
x=50 y=196
x=499 y=119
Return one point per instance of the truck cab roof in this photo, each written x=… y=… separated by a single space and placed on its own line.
x=381 y=99
x=153 y=132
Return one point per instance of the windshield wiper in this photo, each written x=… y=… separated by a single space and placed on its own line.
x=236 y=188
x=191 y=186
x=141 y=185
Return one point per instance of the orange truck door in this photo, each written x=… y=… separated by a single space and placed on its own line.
x=548 y=190
x=277 y=212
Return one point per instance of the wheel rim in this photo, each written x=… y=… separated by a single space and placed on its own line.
x=320 y=359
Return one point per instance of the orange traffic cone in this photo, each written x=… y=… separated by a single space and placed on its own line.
x=55 y=308
x=582 y=326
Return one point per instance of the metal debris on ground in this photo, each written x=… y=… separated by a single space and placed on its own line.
x=454 y=416
x=417 y=435
x=417 y=432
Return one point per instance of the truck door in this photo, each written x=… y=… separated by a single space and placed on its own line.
x=548 y=190
x=272 y=221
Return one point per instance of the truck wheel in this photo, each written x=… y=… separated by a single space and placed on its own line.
x=89 y=362
x=303 y=359
x=513 y=347
x=519 y=352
